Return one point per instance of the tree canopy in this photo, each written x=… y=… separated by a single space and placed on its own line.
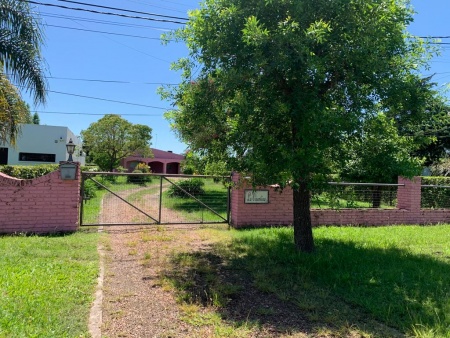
x=276 y=88
x=379 y=154
x=13 y=111
x=21 y=38
x=113 y=138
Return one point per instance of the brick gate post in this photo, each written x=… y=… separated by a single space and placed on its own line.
x=409 y=195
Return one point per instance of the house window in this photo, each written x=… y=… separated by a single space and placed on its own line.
x=3 y=156
x=37 y=157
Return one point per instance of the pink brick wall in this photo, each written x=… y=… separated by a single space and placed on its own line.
x=279 y=211
x=46 y=204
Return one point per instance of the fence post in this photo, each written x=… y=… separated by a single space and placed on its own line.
x=234 y=202
x=409 y=195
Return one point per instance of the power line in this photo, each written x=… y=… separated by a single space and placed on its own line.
x=92 y=114
x=109 y=81
x=108 y=100
x=105 y=13
x=434 y=37
x=102 y=32
x=103 y=22
x=168 y=8
x=103 y=99
x=124 y=10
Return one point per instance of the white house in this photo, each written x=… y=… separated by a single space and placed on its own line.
x=40 y=144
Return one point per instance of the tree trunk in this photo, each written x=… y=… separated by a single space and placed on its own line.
x=376 y=197
x=303 y=236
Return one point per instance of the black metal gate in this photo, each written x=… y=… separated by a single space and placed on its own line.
x=145 y=199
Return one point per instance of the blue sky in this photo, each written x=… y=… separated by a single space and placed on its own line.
x=129 y=69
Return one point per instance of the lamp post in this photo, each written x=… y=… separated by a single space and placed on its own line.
x=70 y=149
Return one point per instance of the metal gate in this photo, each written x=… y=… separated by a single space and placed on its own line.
x=145 y=199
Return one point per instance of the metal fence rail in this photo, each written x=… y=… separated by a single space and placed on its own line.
x=337 y=195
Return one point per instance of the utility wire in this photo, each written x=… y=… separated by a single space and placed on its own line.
x=105 y=13
x=434 y=37
x=102 y=32
x=103 y=22
x=67 y=113
x=110 y=81
x=124 y=10
x=155 y=6
x=102 y=99
x=108 y=100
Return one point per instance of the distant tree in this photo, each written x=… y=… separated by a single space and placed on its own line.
x=193 y=163
x=276 y=88
x=113 y=138
x=378 y=154
x=36 y=119
x=434 y=133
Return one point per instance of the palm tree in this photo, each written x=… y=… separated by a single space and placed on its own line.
x=20 y=41
x=13 y=111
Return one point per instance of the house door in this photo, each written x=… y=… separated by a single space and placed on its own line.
x=3 y=156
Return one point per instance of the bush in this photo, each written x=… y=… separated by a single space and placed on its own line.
x=435 y=197
x=188 y=171
x=140 y=168
x=193 y=186
x=90 y=188
x=28 y=172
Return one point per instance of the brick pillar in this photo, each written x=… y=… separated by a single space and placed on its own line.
x=408 y=196
x=234 y=203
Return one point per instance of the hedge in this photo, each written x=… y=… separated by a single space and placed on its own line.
x=435 y=197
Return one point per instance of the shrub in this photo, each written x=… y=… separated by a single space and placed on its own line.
x=143 y=167
x=90 y=188
x=121 y=169
x=140 y=168
x=435 y=197
x=188 y=171
x=193 y=186
x=28 y=172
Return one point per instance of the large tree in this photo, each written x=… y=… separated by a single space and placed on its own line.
x=21 y=38
x=277 y=87
x=113 y=138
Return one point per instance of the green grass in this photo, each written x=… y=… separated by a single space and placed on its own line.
x=360 y=282
x=215 y=197
x=92 y=206
x=47 y=285
x=399 y=275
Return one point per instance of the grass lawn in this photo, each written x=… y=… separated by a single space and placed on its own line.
x=92 y=206
x=363 y=280
x=215 y=196
x=47 y=284
x=400 y=275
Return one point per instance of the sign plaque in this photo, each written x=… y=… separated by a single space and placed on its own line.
x=256 y=196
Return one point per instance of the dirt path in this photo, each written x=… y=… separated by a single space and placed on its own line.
x=137 y=300
x=134 y=304
x=145 y=208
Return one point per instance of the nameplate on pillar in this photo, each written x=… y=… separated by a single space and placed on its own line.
x=256 y=196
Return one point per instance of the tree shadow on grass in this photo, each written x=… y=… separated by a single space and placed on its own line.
x=339 y=290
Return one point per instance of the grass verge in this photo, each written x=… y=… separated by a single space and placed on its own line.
x=47 y=284
x=368 y=282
